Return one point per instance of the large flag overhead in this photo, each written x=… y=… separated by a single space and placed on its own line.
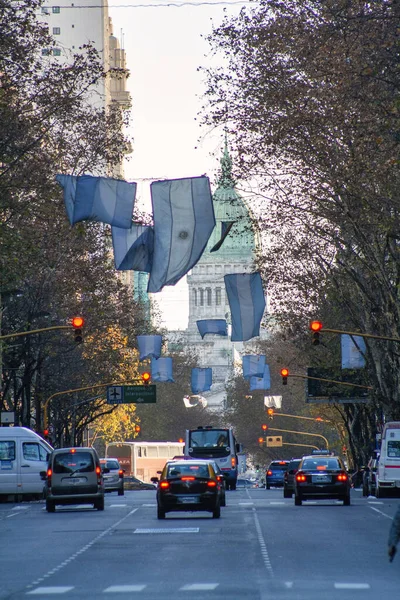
x=353 y=351
x=201 y=380
x=253 y=365
x=133 y=248
x=161 y=369
x=184 y=218
x=261 y=383
x=104 y=199
x=217 y=326
x=149 y=346
x=247 y=303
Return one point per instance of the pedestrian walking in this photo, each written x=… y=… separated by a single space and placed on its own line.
x=394 y=535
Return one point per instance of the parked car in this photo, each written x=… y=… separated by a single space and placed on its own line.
x=288 y=477
x=321 y=477
x=188 y=485
x=73 y=476
x=133 y=483
x=275 y=473
x=113 y=475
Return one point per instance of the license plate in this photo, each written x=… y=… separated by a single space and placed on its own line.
x=321 y=479
x=188 y=500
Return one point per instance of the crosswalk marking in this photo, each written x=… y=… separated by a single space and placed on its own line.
x=124 y=588
x=55 y=589
x=198 y=587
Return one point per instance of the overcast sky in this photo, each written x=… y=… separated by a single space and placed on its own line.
x=164 y=49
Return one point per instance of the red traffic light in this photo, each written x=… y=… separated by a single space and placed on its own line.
x=78 y=322
x=284 y=372
x=264 y=426
x=137 y=428
x=45 y=432
x=260 y=440
x=315 y=325
x=181 y=440
x=146 y=378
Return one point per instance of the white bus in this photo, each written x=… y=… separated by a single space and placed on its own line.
x=218 y=443
x=143 y=459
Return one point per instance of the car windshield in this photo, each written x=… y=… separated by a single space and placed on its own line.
x=278 y=467
x=109 y=464
x=321 y=464
x=73 y=462
x=187 y=469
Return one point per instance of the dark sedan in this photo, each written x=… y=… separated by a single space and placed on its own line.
x=188 y=485
x=321 y=478
x=288 y=477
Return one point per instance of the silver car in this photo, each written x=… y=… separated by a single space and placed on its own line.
x=113 y=475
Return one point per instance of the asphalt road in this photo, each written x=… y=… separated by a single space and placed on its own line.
x=263 y=547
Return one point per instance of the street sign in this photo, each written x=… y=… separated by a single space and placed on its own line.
x=274 y=440
x=131 y=394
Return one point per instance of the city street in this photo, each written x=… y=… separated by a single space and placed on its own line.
x=262 y=547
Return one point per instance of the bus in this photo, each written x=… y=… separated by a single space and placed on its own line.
x=218 y=443
x=143 y=459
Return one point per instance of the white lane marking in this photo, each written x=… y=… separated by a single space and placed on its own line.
x=198 y=587
x=59 y=589
x=381 y=513
x=276 y=503
x=262 y=543
x=12 y=515
x=171 y=530
x=246 y=503
x=20 y=508
x=118 y=505
x=74 y=556
x=288 y=584
x=369 y=502
x=124 y=588
x=352 y=586
x=152 y=505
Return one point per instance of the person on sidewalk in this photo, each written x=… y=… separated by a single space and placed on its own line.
x=394 y=535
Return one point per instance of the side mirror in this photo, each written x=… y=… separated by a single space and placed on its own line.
x=159 y=472
x=154 y=479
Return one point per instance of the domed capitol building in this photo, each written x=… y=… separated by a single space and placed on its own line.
x=207 y=296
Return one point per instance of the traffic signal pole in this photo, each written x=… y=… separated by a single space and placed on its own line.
x=31 y=331
x=303 y=433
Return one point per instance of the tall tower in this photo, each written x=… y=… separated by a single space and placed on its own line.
x=207 y=297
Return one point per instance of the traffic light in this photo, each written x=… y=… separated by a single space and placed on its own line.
x=261 y=441
x=315 y=327
x=284 y=373
x=270 y=412
x=138 y=429
x=264 y=427
x=77 y=324
x=146 y=378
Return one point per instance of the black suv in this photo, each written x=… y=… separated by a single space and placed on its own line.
x=288 y=477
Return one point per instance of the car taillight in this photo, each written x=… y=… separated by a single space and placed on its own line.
x=49 y=474
x=211 y=483
x=342 y=477
x=120 y=473
x=99 y=475
x=164 y=485
x=300 y=476
x=233 y=462
x=269 y=472
x=188 y=478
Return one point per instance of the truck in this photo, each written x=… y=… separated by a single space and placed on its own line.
x=387 y=476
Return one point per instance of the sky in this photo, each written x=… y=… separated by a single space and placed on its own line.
x=164 y=49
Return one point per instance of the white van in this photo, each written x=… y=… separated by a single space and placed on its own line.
x=388 y=472
x=23 y=454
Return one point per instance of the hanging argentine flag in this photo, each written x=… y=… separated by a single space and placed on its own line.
x=161 y=369
x=184 y=218
x=253 y=365
x=103 y=199
x=217 y=326
x=201 y=380
x=149 y=346
x=353 y=351
x=133 y=248
x=261 y=383
x=247 y=303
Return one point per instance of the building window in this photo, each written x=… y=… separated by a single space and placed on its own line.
x=209 y=298
x=45 y=10
x=56 y=52
x=195 y=297
x=56 y=30
x=201 y=297
x=56 y=9
x=218 y=296
x=46 y=52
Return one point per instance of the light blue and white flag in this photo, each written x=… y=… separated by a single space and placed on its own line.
x=353 y=351
x=247 y=303
x=261 y=383
x=201 y=380
x=133 y=248
x=253 y=365
x=149 y=346
x=184 y=218
x=216 y=326
x=161 y=369
x=104 y=199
